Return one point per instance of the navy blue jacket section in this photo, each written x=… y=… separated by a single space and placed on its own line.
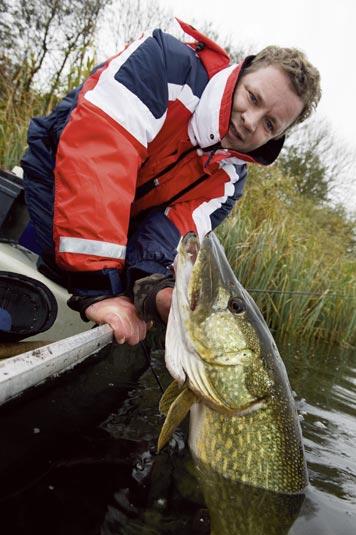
x=135 y=75
x=43 y=137
x=154 y=55
x=152 y=247
x=38 y=164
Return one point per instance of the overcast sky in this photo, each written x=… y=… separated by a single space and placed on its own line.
x=325 y=30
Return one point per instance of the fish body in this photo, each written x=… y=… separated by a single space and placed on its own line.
x=243 y=421
x=239 y=509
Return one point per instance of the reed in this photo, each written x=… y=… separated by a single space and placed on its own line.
x=16 y=111
x=297 y=266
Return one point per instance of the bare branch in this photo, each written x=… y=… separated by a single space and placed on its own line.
x=125 y=21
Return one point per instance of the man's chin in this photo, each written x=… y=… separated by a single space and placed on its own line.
x=227 y=143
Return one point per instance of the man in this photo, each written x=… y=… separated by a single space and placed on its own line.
x=154 y=144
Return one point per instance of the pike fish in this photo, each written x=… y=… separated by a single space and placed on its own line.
x=229 y=376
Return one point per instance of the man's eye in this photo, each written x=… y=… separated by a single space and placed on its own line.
x=252 y=97
x=269 y=125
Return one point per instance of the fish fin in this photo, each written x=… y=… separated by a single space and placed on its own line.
x=175 y=415
x=170 y=394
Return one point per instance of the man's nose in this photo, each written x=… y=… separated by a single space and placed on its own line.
x=250 y=120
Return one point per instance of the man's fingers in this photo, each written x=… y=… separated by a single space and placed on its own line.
x=117 y=325
x=121 y=315
x=142 y=330
x=138 y=334
x=130 y=330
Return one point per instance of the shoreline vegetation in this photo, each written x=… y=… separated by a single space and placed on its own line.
x=288 y=245
x=296 y=258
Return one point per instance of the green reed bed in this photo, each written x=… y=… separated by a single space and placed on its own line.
x=299 y=270
x=12 y=143
x=16 y=111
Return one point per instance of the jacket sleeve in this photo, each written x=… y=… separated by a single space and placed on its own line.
x=151 y=248
x=120 y=109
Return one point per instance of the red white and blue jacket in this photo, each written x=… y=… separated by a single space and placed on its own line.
x=135 y=161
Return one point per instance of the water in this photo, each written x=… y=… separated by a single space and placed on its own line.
x=78 y=457
x=325 y=382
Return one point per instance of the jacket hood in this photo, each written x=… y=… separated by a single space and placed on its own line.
x=210 y=121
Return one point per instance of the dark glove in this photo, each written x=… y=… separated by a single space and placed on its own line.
x=144 y=295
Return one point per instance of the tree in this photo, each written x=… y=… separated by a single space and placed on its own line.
x=46 y=47
x=307 y=170
x=125 y=21
x=316 y=160
x=43 y=39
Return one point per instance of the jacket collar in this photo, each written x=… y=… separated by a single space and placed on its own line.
x=210 y=121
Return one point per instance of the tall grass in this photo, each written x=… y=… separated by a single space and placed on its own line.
x=18 y=105
x=15 y=114
x=296 y=263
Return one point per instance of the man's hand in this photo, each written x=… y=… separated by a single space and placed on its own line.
x=163 y=303
x=120 y=313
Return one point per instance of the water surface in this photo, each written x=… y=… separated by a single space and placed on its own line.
x=78 y=457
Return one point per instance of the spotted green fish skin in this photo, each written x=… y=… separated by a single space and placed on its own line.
x=239 y=509
x=245 y=425
x=261 y=449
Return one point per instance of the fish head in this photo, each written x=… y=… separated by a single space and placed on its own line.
x=217 y=339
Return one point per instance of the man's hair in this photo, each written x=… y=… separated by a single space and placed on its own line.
x=303 y=76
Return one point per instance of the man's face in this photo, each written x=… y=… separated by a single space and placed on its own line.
x=264 y=105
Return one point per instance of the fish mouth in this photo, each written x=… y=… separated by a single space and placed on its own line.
x=205 y=269
x=198 y=262
x=191 y=245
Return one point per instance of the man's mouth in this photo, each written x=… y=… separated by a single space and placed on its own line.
x=235 y=133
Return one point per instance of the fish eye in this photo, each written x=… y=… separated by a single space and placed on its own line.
x=236 y=305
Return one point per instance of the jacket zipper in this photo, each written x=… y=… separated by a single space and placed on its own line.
x=153 y=182
x=185 y=190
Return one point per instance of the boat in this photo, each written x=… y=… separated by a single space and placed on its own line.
x=15 y=258
x=69 y=340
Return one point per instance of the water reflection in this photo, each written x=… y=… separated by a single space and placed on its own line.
x=238 y=509
x=325 y=382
